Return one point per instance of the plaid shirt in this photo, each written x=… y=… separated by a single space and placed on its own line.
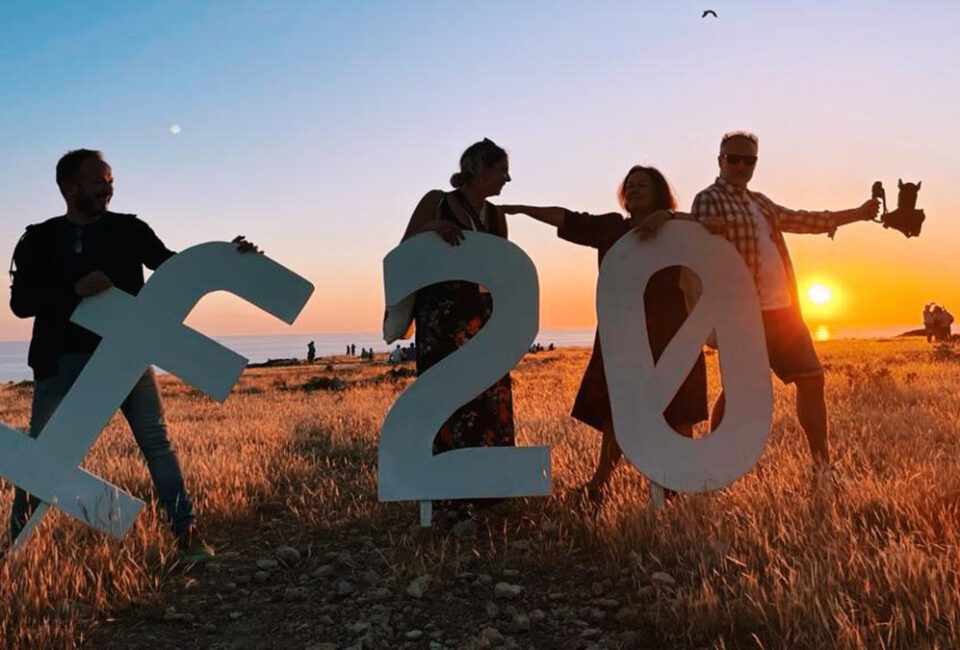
x=731 y=203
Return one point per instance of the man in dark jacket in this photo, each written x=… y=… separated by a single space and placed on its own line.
x=58 y=263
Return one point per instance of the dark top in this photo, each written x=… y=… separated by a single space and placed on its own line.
x=51 y=257
x=666 y=311
x=601 y=231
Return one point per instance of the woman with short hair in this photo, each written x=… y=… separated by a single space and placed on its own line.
x=643 y=191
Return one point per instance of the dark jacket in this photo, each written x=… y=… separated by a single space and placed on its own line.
x=49 y=259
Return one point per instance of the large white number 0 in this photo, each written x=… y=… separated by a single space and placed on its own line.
x=408 y=470
x=640 y=390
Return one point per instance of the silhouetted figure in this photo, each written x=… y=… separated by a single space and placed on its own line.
x=348 y=350
x=448 y=314
x=642 y=192
x=929 y=324
x=396 y=356
x=353 y=350
x=60 y=262
x=311 y=352
x=755 y=225
x=550 y=347
x=942 y=320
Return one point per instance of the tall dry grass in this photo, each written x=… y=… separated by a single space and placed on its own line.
x=768 y=562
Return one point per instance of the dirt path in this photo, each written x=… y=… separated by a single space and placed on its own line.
x=274 y=586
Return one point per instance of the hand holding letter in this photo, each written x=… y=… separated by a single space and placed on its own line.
x=652 y=223
x=245 y=246
x=92 y=283
x=447 y=230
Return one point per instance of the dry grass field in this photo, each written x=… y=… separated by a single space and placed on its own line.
x=291 y=461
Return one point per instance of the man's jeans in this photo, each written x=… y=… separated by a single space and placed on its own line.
x=144 y=412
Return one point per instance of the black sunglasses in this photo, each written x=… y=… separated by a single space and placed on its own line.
x=736 y=159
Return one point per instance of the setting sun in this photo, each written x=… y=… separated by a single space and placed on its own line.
x=820 y=294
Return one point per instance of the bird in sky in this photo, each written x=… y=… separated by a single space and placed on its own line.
x=709 y=12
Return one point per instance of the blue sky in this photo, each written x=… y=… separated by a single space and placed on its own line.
x=314 y=128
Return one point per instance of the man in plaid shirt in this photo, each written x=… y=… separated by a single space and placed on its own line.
x=755 y=225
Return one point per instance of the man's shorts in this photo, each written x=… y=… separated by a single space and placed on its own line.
x=789 y=346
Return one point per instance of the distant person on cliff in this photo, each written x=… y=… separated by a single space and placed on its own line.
x=396 y=356
x=942 y=320
x=311 y=352
x=929 y=324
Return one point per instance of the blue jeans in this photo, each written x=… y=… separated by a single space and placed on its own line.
x=144 y=412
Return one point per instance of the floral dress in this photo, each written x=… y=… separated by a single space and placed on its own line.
x=448 y=314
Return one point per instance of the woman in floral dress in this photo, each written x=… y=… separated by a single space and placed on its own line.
x=448 y=314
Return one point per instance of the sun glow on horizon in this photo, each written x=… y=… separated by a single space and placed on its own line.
x=820 y=294
x=822 y=299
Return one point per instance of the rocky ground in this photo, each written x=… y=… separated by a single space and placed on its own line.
x=284 y=588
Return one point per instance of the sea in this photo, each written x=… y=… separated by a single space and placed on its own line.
x=258 y=349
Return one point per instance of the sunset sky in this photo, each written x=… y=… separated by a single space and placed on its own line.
x=314 y=129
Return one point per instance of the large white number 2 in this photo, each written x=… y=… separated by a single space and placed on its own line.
x=640 y=390
x=408 y=470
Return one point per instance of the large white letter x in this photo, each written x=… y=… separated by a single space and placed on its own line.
x=137 y=332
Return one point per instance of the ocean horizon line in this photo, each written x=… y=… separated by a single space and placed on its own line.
x=260 y=348
x=882 y=330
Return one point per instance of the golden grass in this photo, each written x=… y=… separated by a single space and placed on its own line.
x=765 y=563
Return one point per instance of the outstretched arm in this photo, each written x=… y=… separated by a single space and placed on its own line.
x=553 y=216
x=576 y=227
x=865 y=212
x=804 y=221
